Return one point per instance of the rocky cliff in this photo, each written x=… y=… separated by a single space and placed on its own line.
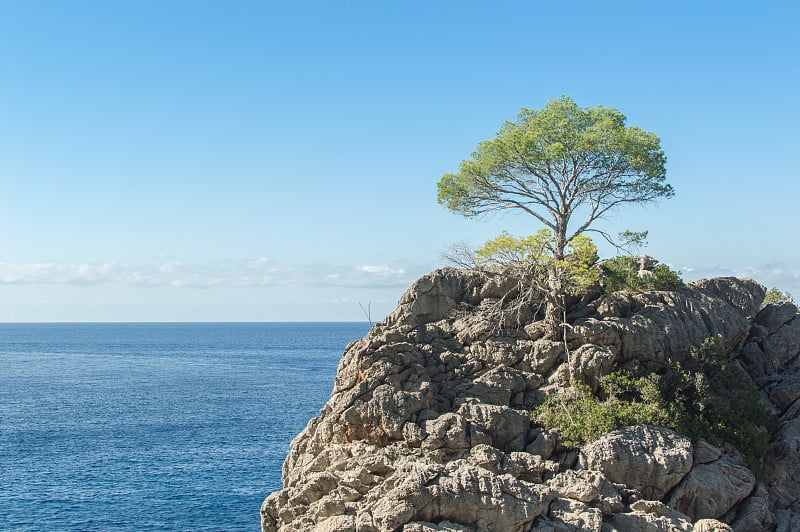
x=429 y=428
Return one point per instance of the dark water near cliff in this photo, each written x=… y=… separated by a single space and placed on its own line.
x=154 y=426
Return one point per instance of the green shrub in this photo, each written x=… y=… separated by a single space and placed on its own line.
x=703 y=397
x=774 y=295
x=622 y=273
x=581 y=417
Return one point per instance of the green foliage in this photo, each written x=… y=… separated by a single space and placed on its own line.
x=703 y=397
x=622 y=273
x=605 y=159
x=774 y=295
x=537 y=250
x=581 y=417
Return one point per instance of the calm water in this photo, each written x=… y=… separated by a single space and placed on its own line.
x=154 y=426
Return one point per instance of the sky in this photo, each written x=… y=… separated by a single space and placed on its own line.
x=278 y=161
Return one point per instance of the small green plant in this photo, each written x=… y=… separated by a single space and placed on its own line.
x=703 y=397
x=577 y=266
x=623 y=273
x=774 y=296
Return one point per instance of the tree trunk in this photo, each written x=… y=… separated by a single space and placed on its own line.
x=554 y=309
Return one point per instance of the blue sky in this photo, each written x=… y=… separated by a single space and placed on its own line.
x=204 y=161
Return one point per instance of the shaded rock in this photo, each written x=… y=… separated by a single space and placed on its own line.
x=448 y=430
x=543 y=355
x=775 y=315
x=755 y=515
x=650 y=459
x=786 y=391
x=544 y=444
x=615 y=305
x=499 y=385
x=781 y=346
x=649 y=522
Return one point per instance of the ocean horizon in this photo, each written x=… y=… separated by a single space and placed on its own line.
x=155 y=425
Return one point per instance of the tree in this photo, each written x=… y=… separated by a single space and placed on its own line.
x=567 y=167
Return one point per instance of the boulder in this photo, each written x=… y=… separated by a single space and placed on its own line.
x=712 y=488
x=649 y=459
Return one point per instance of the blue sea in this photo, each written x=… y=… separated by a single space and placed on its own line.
x=155 y=427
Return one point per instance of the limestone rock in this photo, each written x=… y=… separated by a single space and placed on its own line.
x=711 y=489
x=650 y=459
x=590 y=487
x=588 y=363
x=649 y=522
x=711 y=525
x=755 y=515
x=576 y=516
x=665 y=327
x=428 y=426
x=745 y=295
x=775 y=315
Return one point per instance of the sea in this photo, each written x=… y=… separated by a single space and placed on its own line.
x=155 y=426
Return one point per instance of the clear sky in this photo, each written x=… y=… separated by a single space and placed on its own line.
x=248 y=161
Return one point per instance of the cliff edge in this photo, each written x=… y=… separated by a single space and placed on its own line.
x=429 y=425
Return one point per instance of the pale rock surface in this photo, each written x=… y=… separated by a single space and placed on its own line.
x=710 y=489
x=649 y=459
x=428 y=427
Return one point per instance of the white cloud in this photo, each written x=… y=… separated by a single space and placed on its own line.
x=243 y=273
x=380 y=269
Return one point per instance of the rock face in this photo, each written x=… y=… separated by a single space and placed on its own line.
x=428 y=427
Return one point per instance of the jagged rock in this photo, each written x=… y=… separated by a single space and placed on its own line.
x=648 y=522
x=615 y=305
x=745 y=295
x=775 y=315
x=428 y=427
x=507 y=427
x=588 y=363
x=575 y=516
x=543 y=355
x=665 y=327
x=461 y=494
x=782 y=346
x=650 y=459
x=710 y=489
x=544 y=444
x=711 y=525
x=755 y=515
x=434 y=296
x=443 y=526
x=590 y=487
x=786 y=391
x=448 y=430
